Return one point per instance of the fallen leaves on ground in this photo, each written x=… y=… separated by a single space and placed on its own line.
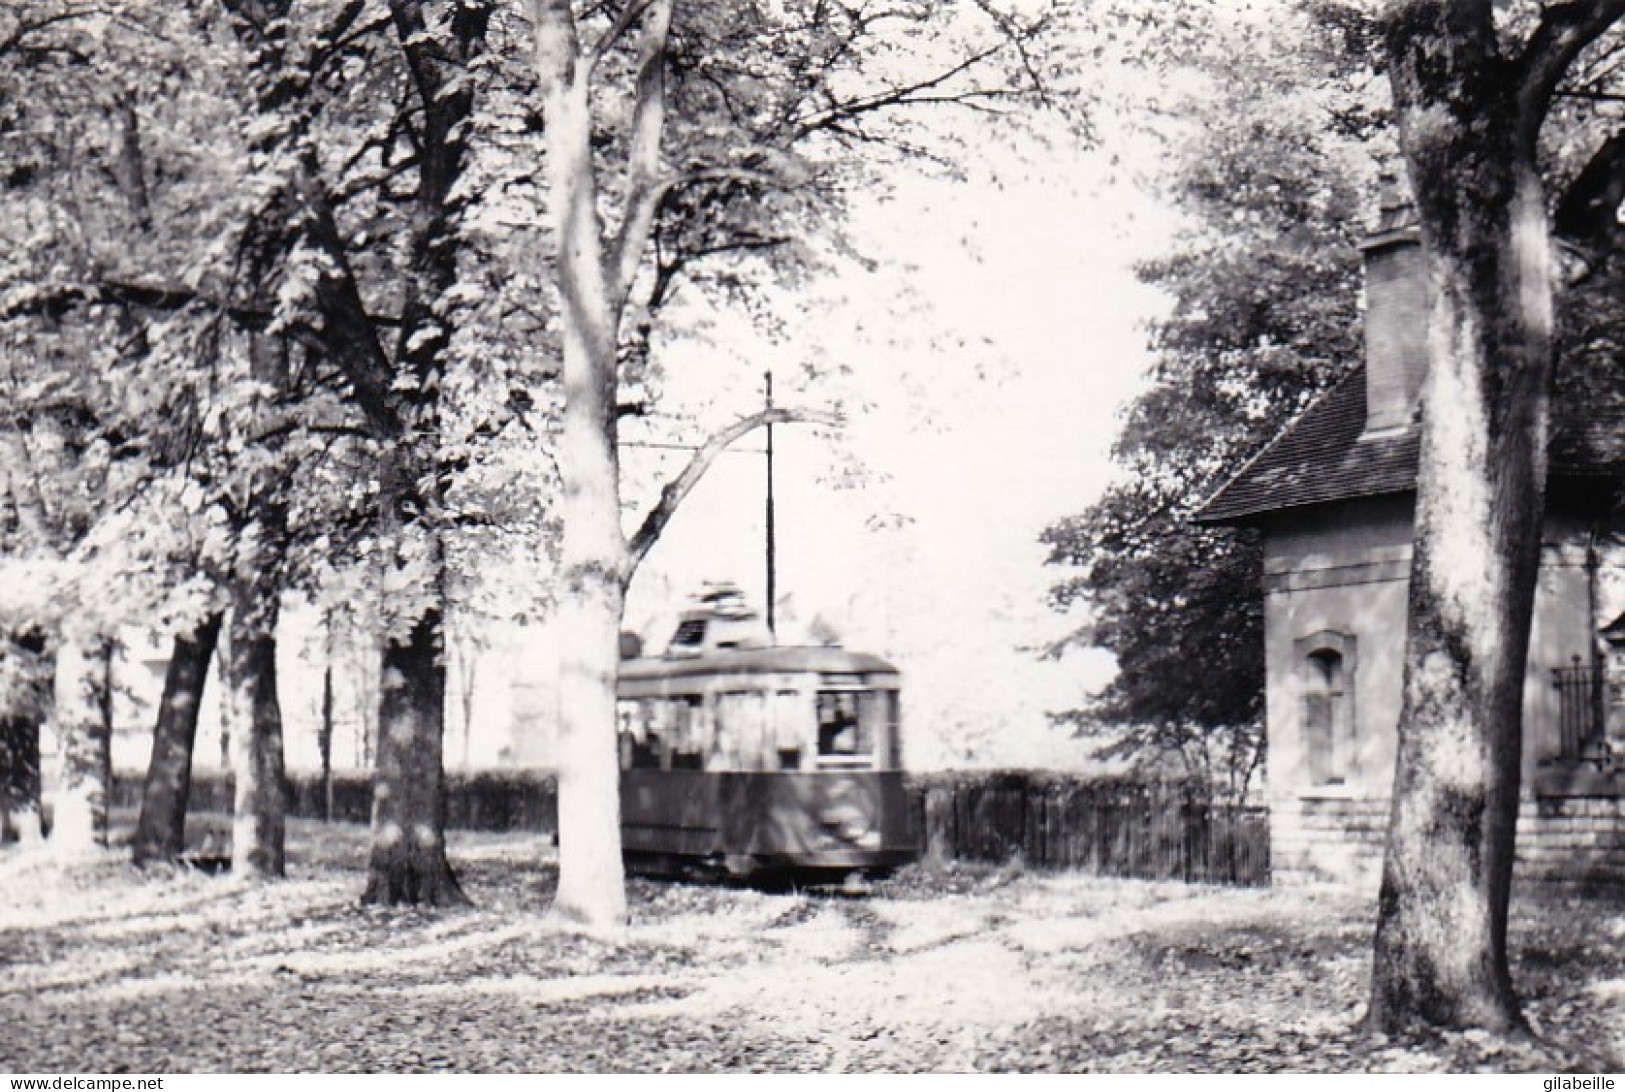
x=950 y=967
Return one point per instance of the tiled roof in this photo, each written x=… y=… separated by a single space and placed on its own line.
x=1324 y=456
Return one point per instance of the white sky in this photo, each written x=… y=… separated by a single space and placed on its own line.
x=993 y=347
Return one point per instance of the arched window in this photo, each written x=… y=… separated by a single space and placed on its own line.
x=1326 y=686
x=1322 y=700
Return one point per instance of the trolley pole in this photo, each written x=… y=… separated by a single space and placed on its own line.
x=772 y=574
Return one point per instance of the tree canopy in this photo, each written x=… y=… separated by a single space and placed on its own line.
x=1267 y=148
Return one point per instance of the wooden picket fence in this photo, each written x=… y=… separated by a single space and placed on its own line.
x=1144 y=830
x=491 y=800
x=1154 y=831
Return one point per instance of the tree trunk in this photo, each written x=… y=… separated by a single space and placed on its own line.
x=259 y=810
x=28 y=701
x=593 y=560
x=85 y=723
x=408 y=863
x=160 y=833
x=592 y=881
x=593 y=557
x=1441 y=939
x=19 y=779
x=324 y=738
x=254 y=713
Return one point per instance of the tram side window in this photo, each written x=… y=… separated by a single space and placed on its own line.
x=789 y=720
x=689 y=737
x=894 y=728
x=741 y=721
x=877 y=718
x=640 y=735
x=843 y=735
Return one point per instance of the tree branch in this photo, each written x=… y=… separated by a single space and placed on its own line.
x=694 y=177
x=1590 y=96
x=22 y=479
x=1018 y=36
x=901 y=96
x=591 y=305
x=340 y=34
x=14 y=40
x=1588 y=210
x=629 y=14
x=1564 y=30
x=675 y=491
x=278 y=423
x=347 y=334
x=1585 y=224
x=644 y=189
x=667 y=270
x=51 y=301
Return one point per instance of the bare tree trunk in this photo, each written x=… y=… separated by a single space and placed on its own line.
x=85 y=722
x=254 y=712
x=594 y=564
x=160 y=833
x=1469 y=118
x=596 y=270
x=259 y=814
x=29 y=698
x=19 y=779
x=592 y=881
x=408 y=862
x=593 y=558
x=467 y=676
x=324 y=738
x=366 y=661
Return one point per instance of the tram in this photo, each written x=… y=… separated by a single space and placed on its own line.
x=741 y=758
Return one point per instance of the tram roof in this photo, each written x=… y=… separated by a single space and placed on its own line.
x=778 y=659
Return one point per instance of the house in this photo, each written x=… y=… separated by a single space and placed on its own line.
x=1333 y=497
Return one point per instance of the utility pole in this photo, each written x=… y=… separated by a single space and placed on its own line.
x=772 y=574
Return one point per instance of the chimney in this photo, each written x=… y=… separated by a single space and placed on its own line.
x=1396 y=355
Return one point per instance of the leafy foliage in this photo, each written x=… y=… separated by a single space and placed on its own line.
x=84 y=378
x=1264 y=289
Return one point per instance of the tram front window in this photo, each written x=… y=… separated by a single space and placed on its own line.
x=844 y=736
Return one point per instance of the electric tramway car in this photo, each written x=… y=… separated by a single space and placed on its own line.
x=743 y=758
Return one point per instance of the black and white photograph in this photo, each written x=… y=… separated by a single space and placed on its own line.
x=835 y=537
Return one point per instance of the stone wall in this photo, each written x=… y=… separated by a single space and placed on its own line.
x=1574 y=843
x=1566 y=845
x=1336 y=839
